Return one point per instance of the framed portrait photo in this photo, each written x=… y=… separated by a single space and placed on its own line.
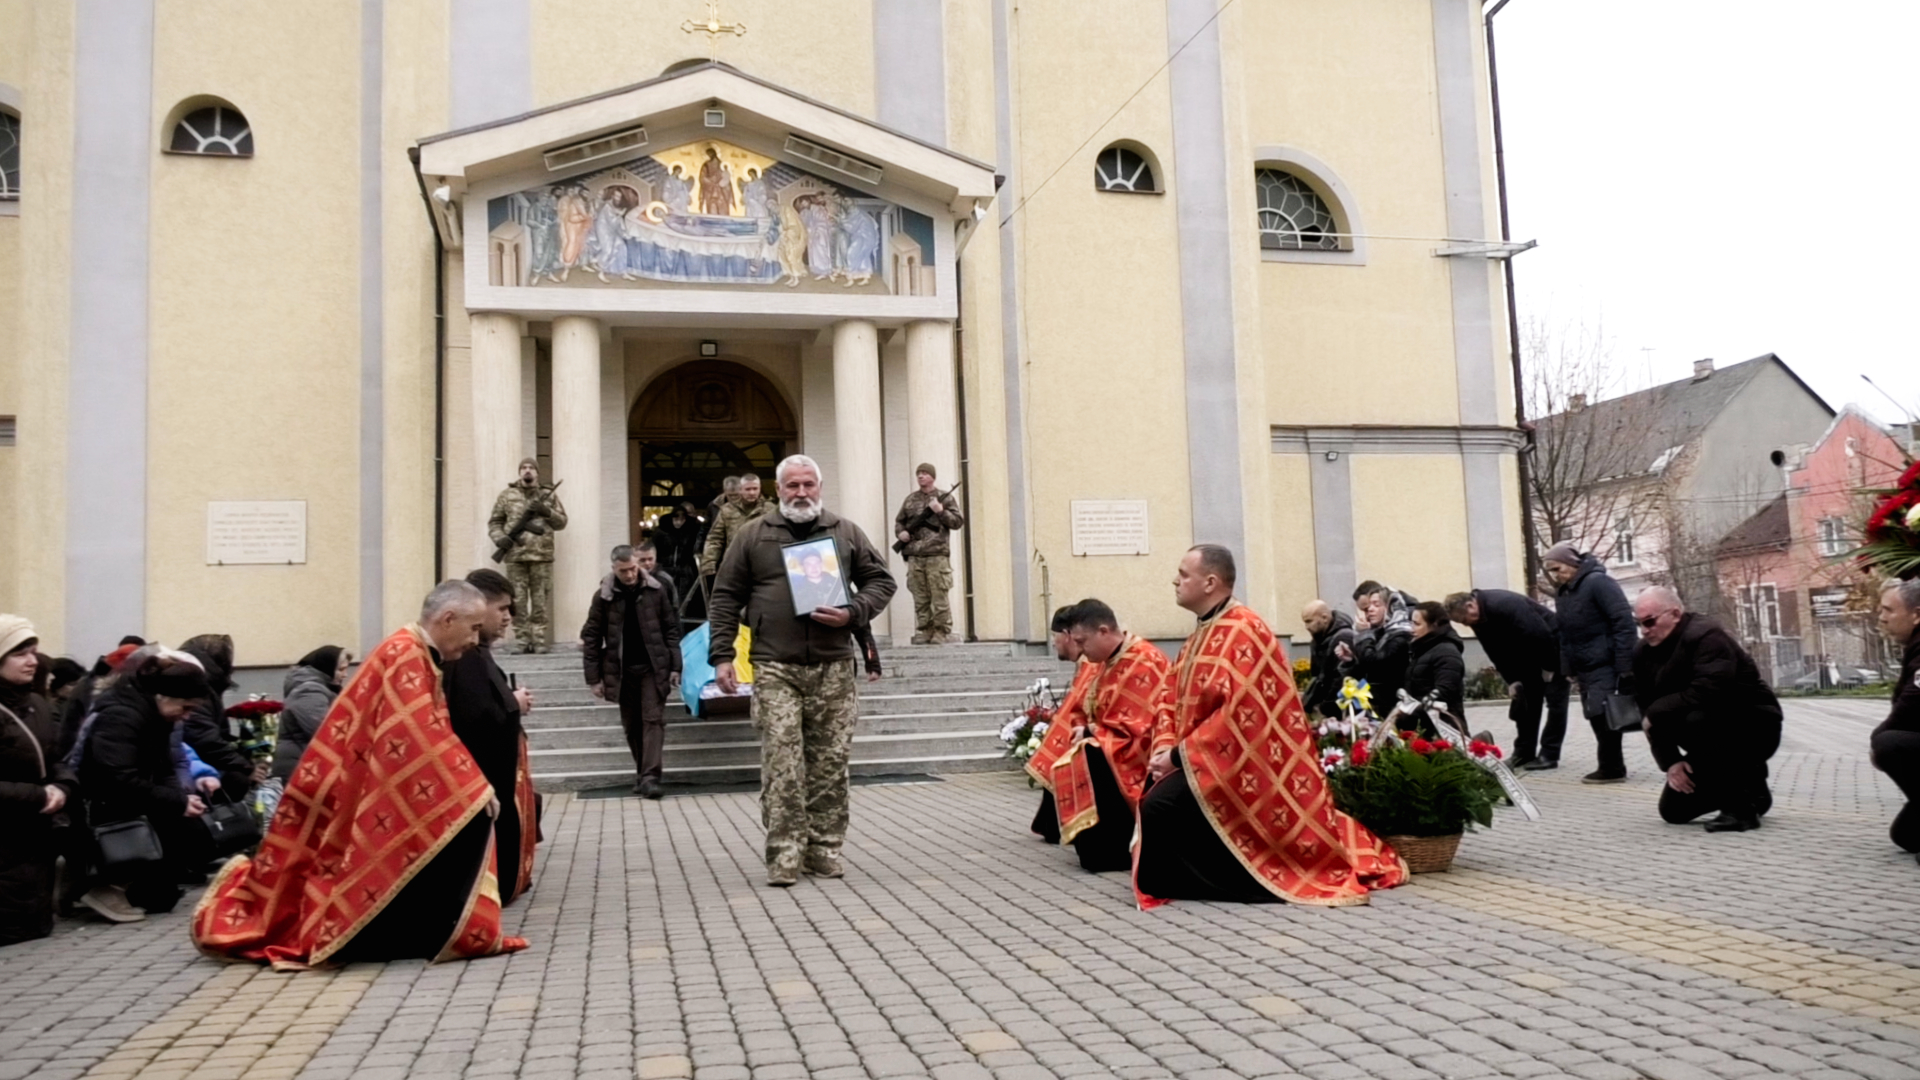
x=815 y=576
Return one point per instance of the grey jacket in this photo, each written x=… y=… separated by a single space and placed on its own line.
x=304 y=698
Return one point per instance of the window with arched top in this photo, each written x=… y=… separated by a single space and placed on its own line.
x=9 y=156
x=1293 y=216
x=212 y=130
x=1121 y=168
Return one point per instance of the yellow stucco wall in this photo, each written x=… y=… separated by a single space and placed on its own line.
x=14 y=41
x=1410 y=522
x=252 y=391
x=582 y=47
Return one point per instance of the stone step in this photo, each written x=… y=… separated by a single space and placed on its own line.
x=604 y=732
x=745 y=753
x=590 y=710
x=589 y=778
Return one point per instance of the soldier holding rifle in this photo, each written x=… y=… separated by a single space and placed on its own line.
x=524 y=519
x=921 y=529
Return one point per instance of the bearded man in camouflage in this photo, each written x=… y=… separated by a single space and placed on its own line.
x=804 y=702
x=929 y=570
x=529 y=562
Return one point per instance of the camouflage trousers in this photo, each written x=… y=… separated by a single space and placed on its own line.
x=805 y=715
x=532 y=599
x=930 y=580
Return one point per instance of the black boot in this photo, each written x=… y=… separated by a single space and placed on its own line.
x=1732 y=823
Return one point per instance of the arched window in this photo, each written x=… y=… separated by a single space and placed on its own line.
x=9 y=156
x=1293 y=216
x=214 y=130
x=1119 y=168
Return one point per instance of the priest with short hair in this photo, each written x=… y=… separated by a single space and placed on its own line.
x=383 y=845
x=1058 y=737
x=1098 y=784
x=1239 y=808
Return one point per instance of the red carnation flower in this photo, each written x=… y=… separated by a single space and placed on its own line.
x=1421 y=746
x=1885 y=520
x=1912 y=476
x=1361 y=753
x=253 y=710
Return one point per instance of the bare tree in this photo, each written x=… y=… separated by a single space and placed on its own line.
x=1595 y=476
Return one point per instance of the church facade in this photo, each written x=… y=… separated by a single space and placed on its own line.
x=286 y=291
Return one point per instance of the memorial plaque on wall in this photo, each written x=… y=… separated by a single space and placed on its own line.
x=257 y=533
x=1110 y=527
x=1830 y=603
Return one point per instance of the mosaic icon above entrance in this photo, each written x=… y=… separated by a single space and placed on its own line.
x=707 y=213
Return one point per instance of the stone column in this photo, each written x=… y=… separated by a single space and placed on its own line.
x=858 y=490
x=579 y=562
x=498 y=443
x=933 y=430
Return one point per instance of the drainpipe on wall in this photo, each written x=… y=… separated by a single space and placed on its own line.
x=1524 y=459
x=966 y=477
x=439 y=373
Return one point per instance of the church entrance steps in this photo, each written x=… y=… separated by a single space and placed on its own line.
x=939 y=709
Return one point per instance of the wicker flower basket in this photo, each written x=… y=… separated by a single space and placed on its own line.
x=1426 y=854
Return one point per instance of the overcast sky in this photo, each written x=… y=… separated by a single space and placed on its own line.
x=1722 y=178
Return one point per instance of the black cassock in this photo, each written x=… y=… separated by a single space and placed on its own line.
x=487 y=719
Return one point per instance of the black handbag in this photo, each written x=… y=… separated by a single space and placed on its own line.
x=127 y=847
x=231 y=825
x=1623 y=712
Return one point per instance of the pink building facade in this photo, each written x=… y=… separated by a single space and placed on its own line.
x=1803 y=610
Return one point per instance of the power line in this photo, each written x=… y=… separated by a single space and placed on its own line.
x=1102 y=126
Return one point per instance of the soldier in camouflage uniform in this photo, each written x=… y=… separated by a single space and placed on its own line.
x=733 y=516
x=530 y=562
x=804 y=702
x=929 y=569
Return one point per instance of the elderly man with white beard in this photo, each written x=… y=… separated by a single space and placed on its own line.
x=804 y=702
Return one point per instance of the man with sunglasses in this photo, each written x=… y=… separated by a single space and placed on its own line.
x=1711 y=720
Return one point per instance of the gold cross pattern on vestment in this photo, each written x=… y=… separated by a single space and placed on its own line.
x=713 y=27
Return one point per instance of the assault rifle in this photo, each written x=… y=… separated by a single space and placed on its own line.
x=537 y=508
x=925 y=518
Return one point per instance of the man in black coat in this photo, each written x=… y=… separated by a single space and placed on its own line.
x=205 y=728
x=485 y=712
x=1323 y=687
x=1596 y=647
x=1711 y=720
x=1522 y=639
x=1896 y=742
x=631 y=647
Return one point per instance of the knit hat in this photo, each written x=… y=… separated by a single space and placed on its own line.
x=15 y=632
x=526 y=461
x=1564 y=553
x=923 y=467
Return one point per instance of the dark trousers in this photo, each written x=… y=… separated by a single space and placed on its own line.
x=1595 y=688
x=1729 y=774
x=1897 y=753
x=1109 y=844
x=1529 y=739
x=643 y=716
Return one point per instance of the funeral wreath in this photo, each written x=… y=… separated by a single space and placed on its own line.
x=1028 y=725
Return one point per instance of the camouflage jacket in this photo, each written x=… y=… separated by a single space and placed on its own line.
x=732 y=517
x=931 y=538
x=536 y=542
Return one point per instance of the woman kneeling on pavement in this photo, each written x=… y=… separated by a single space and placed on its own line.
x=34 y=786
x=127 y=769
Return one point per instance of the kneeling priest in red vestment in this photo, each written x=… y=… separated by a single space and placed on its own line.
x=383 y=845
x=1098 y=783
x=1070 y=713
x=1239 y=808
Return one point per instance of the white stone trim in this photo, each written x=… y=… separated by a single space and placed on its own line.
x=1339 y=197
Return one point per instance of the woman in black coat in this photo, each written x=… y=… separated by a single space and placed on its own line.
x=1438 y=661
x=34 y=786
x=1597 y=637
x=127 y=771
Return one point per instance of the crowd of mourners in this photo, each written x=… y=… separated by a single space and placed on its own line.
x=1642 y=667
x=141 y=735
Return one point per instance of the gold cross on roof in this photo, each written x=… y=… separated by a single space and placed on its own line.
x=713 y=27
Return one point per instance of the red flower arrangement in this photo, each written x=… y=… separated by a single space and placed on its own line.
x=253 y=710
x=1893 y=529
x=1481 y=748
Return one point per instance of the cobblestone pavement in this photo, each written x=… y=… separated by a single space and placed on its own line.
x=1599 y=944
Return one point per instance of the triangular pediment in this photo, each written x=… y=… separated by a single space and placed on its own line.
x=673 y=110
